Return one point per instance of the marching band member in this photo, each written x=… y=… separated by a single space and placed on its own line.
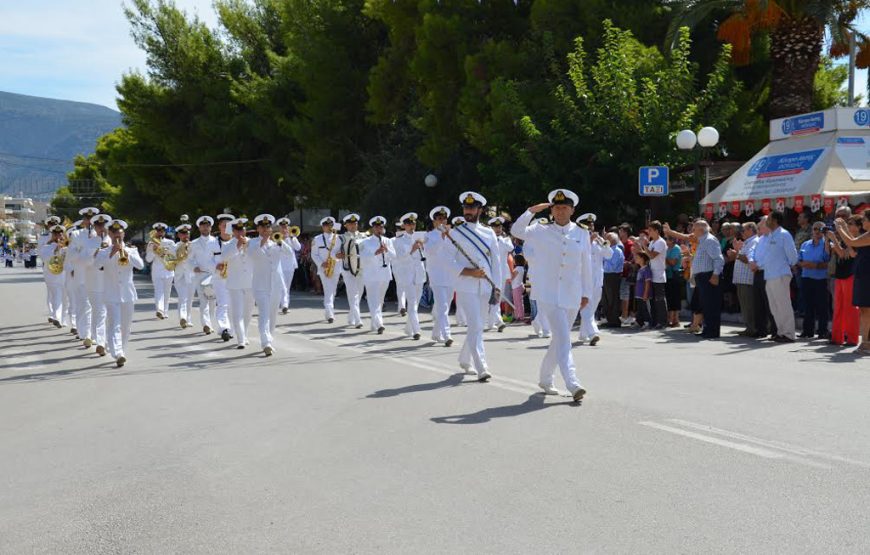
x=351 y=269
x=376 y=254
x=81 y=251
x=41 y=241
x=289 y=262
x=184 y=284
x=409 y=270
x=161 y=277
x=539 y=323
x=239 y=281
x=203 y=250
x=478 y=267
x=70 y=304
x=563 y=281
x=461 y=320
x=439 y=254
x=401 y=303
x=506 y=246
x=96 y=333
x=118 y=261
x=219 y=280
x=600 y=251
x=267 y=281
x=324 y=250
x=51 y=252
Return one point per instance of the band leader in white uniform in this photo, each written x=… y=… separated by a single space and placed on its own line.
x=563 y=282
x=439 y=266
x=376 y=255
x=54 y=283
x=219 y=281
x=351 y=268
x=202 y=254
x=267 y=281
x=184 y=277
x=288 y=263
x=81 y=260
x=120 y=292
x=323 y=247
x=161 y=277
x=473 y=291
x=410 y=271
x=239 y=281
x=600 y=251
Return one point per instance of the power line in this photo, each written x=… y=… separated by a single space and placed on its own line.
x=46 y=170
x=180 y=164
x=33 y=157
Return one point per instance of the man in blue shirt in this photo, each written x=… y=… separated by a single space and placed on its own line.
x=813 y=260
x=612 y=278
x=776 y=257
x=707 y=267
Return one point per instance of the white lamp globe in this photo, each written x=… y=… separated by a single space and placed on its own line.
x=430 y=180
x=686 y=139
x=708 y=137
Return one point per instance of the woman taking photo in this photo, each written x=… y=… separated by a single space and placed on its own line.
x=861 y=272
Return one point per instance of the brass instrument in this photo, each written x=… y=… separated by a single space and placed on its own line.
x=295 y=231
x=171 y=261
x=123 y=258
x=158 y=245
x=278 y=237
x=55 y=263
x=330 y=261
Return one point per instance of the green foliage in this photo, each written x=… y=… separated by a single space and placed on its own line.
x=829 y=86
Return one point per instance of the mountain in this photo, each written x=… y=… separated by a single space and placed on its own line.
x=39 y=138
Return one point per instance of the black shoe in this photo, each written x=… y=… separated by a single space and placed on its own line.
x=448 y=343
x=284 y=310
x=403 y=312
x=380 y=330
x=359 y=326
x=501 y=328
x=225 y=335
x=240 y=346
x=330 y=320
x=805 y=335
x=416 y=337
x=825 y=335
x=782 y=339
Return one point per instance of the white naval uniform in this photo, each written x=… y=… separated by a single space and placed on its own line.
x=377 y=274
x=410 y=273
x=203 y=250
x=81 y=258
x=442 y=280
x=494 y=319
x=54 y=283
x=41 y=241
x=239 y=284
x=96 y=316
x=184 y=285
x=481 y=244
x=160 y=276
x=353 y=284
x=70 y=305
x=221 y=293
x=588 y=325
x=120 y=296
x=266 y=283
x=320 y=250
x=288 y=268
x=539 y=323
x=562 y=277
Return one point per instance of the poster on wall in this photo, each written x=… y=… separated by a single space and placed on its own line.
x=854 y=152
x=723 y=210
x=749 y=208
x=815 y=203
x=779 y=205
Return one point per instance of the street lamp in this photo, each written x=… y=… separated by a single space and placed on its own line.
x=707 y=137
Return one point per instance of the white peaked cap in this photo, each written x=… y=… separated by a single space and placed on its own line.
x=561 y=195
x=264 y=218
x=203 y=219
x=587 y=217
x=327 y=220
x=283 y=221
x=89 y=211
x=159 y=225
x=438 y=209
x=470 y=197
x=378 y=220
x=498 y=219
x=353 y=216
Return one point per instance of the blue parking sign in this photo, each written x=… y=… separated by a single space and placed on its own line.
x=653 y=181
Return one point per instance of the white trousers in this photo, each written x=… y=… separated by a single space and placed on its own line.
x=540 y=323
x=559 y=352
x=97 y=331
x=120 y=320
x=241 y=309
x=55 y=301
x=401 y=298
x=461 y=318
x=288 y=281
x=441 y=312
x=206 y=306
x=162 y=294
x=267 y=313
x=185 y=291
x=411 y=292
x=70 y=306
x=375 y=292
x=494 y=316
x=779 y=298
x=588 y=325
x=329 y=287
x=354 y=286
x=222 y=304
x=476 y=308
x=83 y=311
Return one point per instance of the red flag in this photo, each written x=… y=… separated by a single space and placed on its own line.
x=735 y=208
x=765 y=206
x=829 y=205
x=708 y=211
x=799 y=204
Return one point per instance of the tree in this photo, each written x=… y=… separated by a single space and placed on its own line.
x=796 y=29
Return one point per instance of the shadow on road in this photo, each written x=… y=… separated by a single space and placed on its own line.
x=451 y=381
x=534 y=403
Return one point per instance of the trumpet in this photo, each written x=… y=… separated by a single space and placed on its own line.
x=295 y=231
x=123 y=258
x=278 y=237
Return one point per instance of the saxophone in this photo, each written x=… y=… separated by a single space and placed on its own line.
x=330 y=261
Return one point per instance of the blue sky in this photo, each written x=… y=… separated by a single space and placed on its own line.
x=78 y=49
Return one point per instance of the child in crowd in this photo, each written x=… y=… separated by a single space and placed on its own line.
x=518 y=287
x=643 y=288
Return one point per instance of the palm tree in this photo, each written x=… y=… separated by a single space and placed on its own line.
x=796 y=30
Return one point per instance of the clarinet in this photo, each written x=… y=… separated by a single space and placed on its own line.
x=383 y=254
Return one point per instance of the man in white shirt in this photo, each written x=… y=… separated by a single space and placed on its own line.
x=288 y=262
x=219 y=280
x=506 y=246
x=657 y=250
x=41 y=241
x=376 y=254
x=324 y=251
x=96 y=333
x=80 y=241
x=478 y=269
x=161 y=276
x=439 y=265
x=234 y=255
x=351 y=268
x=600 y=251
x=563 y=282
x=70 y=289
x=54 y=282
x=203 y=251
x=184 y=284
x=267 y=281
x=410 y=271
x=118 y=262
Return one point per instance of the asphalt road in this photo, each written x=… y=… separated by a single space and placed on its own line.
x=349 y=442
